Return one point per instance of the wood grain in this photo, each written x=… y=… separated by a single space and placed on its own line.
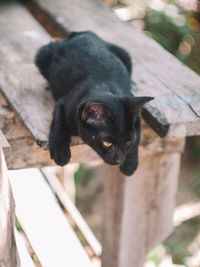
x=169 y=115
x=138 y=210
x=24 y=152
x=176 y=110
x=20 y=81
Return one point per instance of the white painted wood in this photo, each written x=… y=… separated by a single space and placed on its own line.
x=8 y=251
x=3 y=140
x=186 y=212
x=25 y=258
x=66 y=177
x=44 y=223
x=73 y=211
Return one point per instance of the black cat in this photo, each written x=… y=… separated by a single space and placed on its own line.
x=91 y=81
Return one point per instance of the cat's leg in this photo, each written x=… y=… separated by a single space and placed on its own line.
x=130 y=164
x=59 y=137
x=122 y=54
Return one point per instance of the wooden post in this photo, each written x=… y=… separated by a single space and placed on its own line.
x=138 y=210
x=8 y=251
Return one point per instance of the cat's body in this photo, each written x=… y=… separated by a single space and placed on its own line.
x=90 y=79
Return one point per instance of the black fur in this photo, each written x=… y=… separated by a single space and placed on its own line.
x=90 y=79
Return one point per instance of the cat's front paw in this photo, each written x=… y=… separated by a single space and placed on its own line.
x=61 y=155
x=129 y=167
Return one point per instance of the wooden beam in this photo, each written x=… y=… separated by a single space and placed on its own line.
x=138 y=210
x=24 y=152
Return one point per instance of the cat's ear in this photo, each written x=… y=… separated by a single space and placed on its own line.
x=95 y=114
x=135 y=104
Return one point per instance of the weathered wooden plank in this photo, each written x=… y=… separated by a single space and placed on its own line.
x=46 y=227
x=21 y=40
x=19 y=79
x=24 y=152
x=156 y=72
x=20 y=82
x=8 y=250
x=138 y=210
x=72 y=210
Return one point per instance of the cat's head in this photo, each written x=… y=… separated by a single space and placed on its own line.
x=109 y=125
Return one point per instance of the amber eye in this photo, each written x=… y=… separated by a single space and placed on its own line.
x=107 y=144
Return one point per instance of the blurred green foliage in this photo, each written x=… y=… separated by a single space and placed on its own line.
x=182 y=39
x=153 y=255
x=18 y=225
x=176 y=29
x=179 y=34
x=82 y=175
x=185 y=234
x=196 y=185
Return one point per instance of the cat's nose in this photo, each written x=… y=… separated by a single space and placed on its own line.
x=119 y=157
x=118 y=161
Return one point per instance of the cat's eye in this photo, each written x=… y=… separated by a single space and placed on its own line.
x=106 y=144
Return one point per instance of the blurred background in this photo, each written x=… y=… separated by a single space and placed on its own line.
x=175 y=24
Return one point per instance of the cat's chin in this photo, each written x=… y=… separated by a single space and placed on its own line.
x=114 y=163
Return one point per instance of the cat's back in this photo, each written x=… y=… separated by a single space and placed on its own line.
x=84 y=53
x=74 y=59
x=82 y=56
x=82 y=48
x=84 y=39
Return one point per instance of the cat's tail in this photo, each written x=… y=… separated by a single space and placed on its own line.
x=43 y=59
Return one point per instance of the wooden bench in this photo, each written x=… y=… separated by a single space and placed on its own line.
x=137 y=210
